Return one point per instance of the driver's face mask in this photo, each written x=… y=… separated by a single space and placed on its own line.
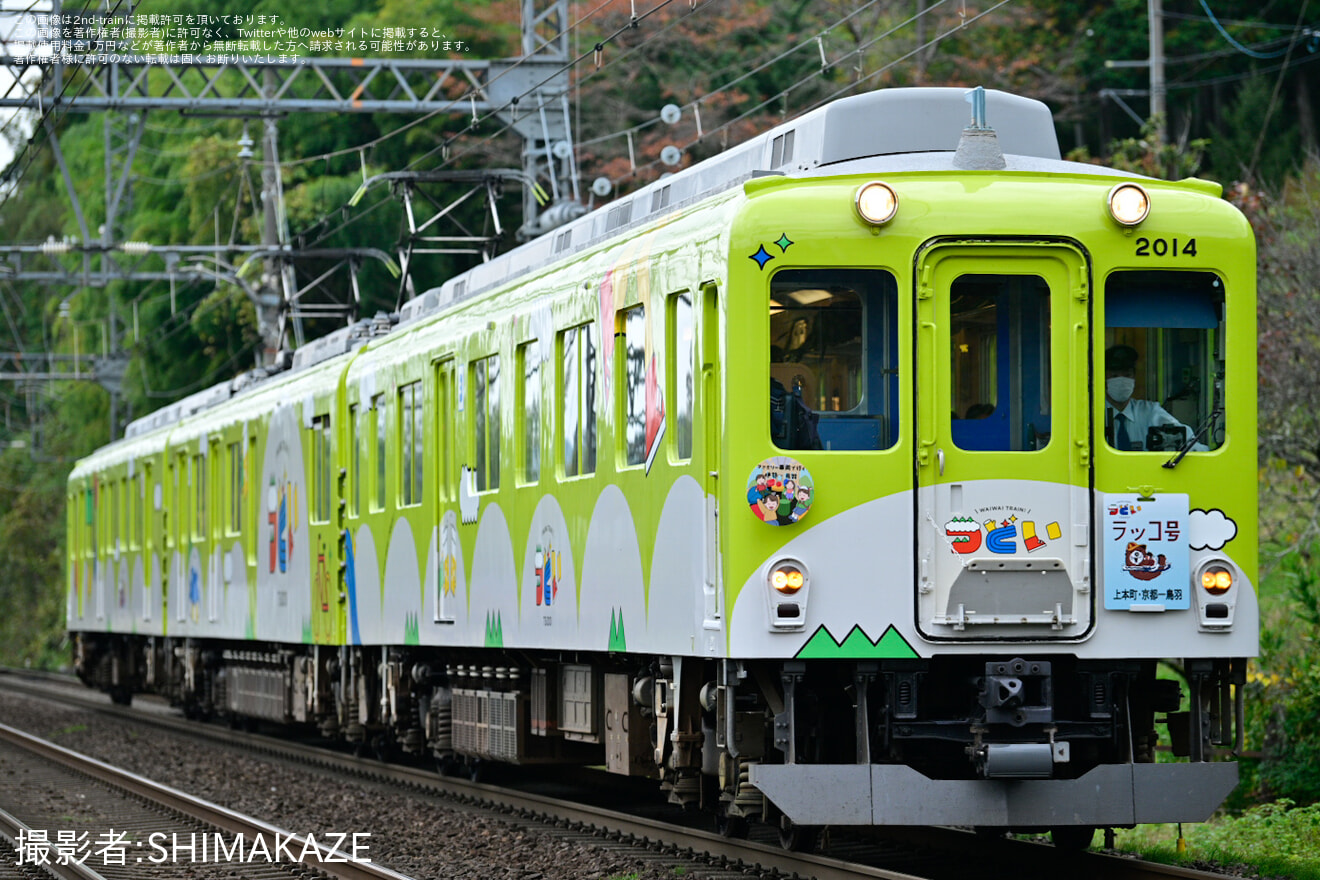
x=1120 y=388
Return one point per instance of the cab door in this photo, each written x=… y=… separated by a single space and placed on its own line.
x=1003 y=447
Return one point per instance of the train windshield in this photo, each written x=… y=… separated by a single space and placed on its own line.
x=833 y=359
x=1163 y=361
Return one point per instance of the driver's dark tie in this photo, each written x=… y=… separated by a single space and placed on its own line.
x=1120 y=432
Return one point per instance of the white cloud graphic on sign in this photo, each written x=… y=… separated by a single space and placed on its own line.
x=1210 y=529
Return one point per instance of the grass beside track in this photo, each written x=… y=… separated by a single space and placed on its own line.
x=1269 y=840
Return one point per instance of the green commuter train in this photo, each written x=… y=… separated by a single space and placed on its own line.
x=861 y=475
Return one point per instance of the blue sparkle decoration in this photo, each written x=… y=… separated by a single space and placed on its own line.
x=784 y=242
x=761 y=257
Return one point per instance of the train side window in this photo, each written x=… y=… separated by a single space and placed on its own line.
x=486 y=421
x=833 y=353
x=410 y=444
x=199 y=496
x=529 y=361
x=113 y=499
x=354 y=462
x=578 y=397
x=235 y=489
x=1163 y=364
x=178 y=513
x=255 y=493
x=1000 y=362
x=378 y=404
x=89 y=522
x=130 y=513
x=320 y=469
x=632 y=323
x=144 y=480
x=682 y=358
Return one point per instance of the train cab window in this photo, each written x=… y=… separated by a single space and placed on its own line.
x=529 y=362
x=682 y=359
x=378 y=404
x=632 y=322
x=410 y=444
x=833 y=359
x=486 y=421
x=1163 y=361
x=578 y=397
x=1000 y=350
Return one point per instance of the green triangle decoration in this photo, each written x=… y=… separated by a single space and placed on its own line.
x=856 y=645
x=618 y=642
x=893 y=646
x=494 y=630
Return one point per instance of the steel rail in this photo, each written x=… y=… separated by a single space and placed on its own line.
x=13 y=829
x=319 y=857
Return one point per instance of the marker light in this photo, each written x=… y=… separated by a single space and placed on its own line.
x=1216 y=580
x=787 y=578
x=1128 y=204
x=876 y=203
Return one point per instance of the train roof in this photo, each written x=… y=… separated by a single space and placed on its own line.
x=888 y=130
x=917 y=128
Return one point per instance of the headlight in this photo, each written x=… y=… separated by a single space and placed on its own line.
x=1128 y=204
x=876 y=202
x=1216 y=580
x=788 y=577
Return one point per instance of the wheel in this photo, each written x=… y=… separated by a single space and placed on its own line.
x=476 y=769
x=1072 y=837
x=382 y=747
x=733 y=827
x=797 y=838
x=121 y=695
x=447 y=766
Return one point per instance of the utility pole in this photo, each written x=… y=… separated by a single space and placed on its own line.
x=1158 y=110
x=274 y=298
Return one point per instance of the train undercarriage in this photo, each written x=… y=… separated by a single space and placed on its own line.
x=791 y=743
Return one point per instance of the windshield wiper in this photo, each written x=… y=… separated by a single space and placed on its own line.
x=1195 y=438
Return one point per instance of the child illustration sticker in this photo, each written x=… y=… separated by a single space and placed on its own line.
x=780 y=491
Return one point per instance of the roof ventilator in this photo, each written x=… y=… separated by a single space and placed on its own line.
x=382 y=324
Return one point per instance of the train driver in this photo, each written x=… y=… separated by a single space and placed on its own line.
x=1129 y=422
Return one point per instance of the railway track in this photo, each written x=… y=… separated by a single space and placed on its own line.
x=895 y=854
x=87 y=819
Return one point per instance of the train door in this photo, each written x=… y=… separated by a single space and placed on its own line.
x=448 y=555
x=711 y=433
x=1003 y=499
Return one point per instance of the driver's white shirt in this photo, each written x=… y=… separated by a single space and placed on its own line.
x=1142 y=415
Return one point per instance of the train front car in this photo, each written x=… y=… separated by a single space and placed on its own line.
x=990 y=460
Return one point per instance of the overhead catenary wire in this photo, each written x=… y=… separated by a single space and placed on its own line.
x=1247 y=50
x=807 y=44
x=456 y=103
x=28 y=154
x=850 y=87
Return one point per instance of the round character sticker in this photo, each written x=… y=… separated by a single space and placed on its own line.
x=779 y=491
